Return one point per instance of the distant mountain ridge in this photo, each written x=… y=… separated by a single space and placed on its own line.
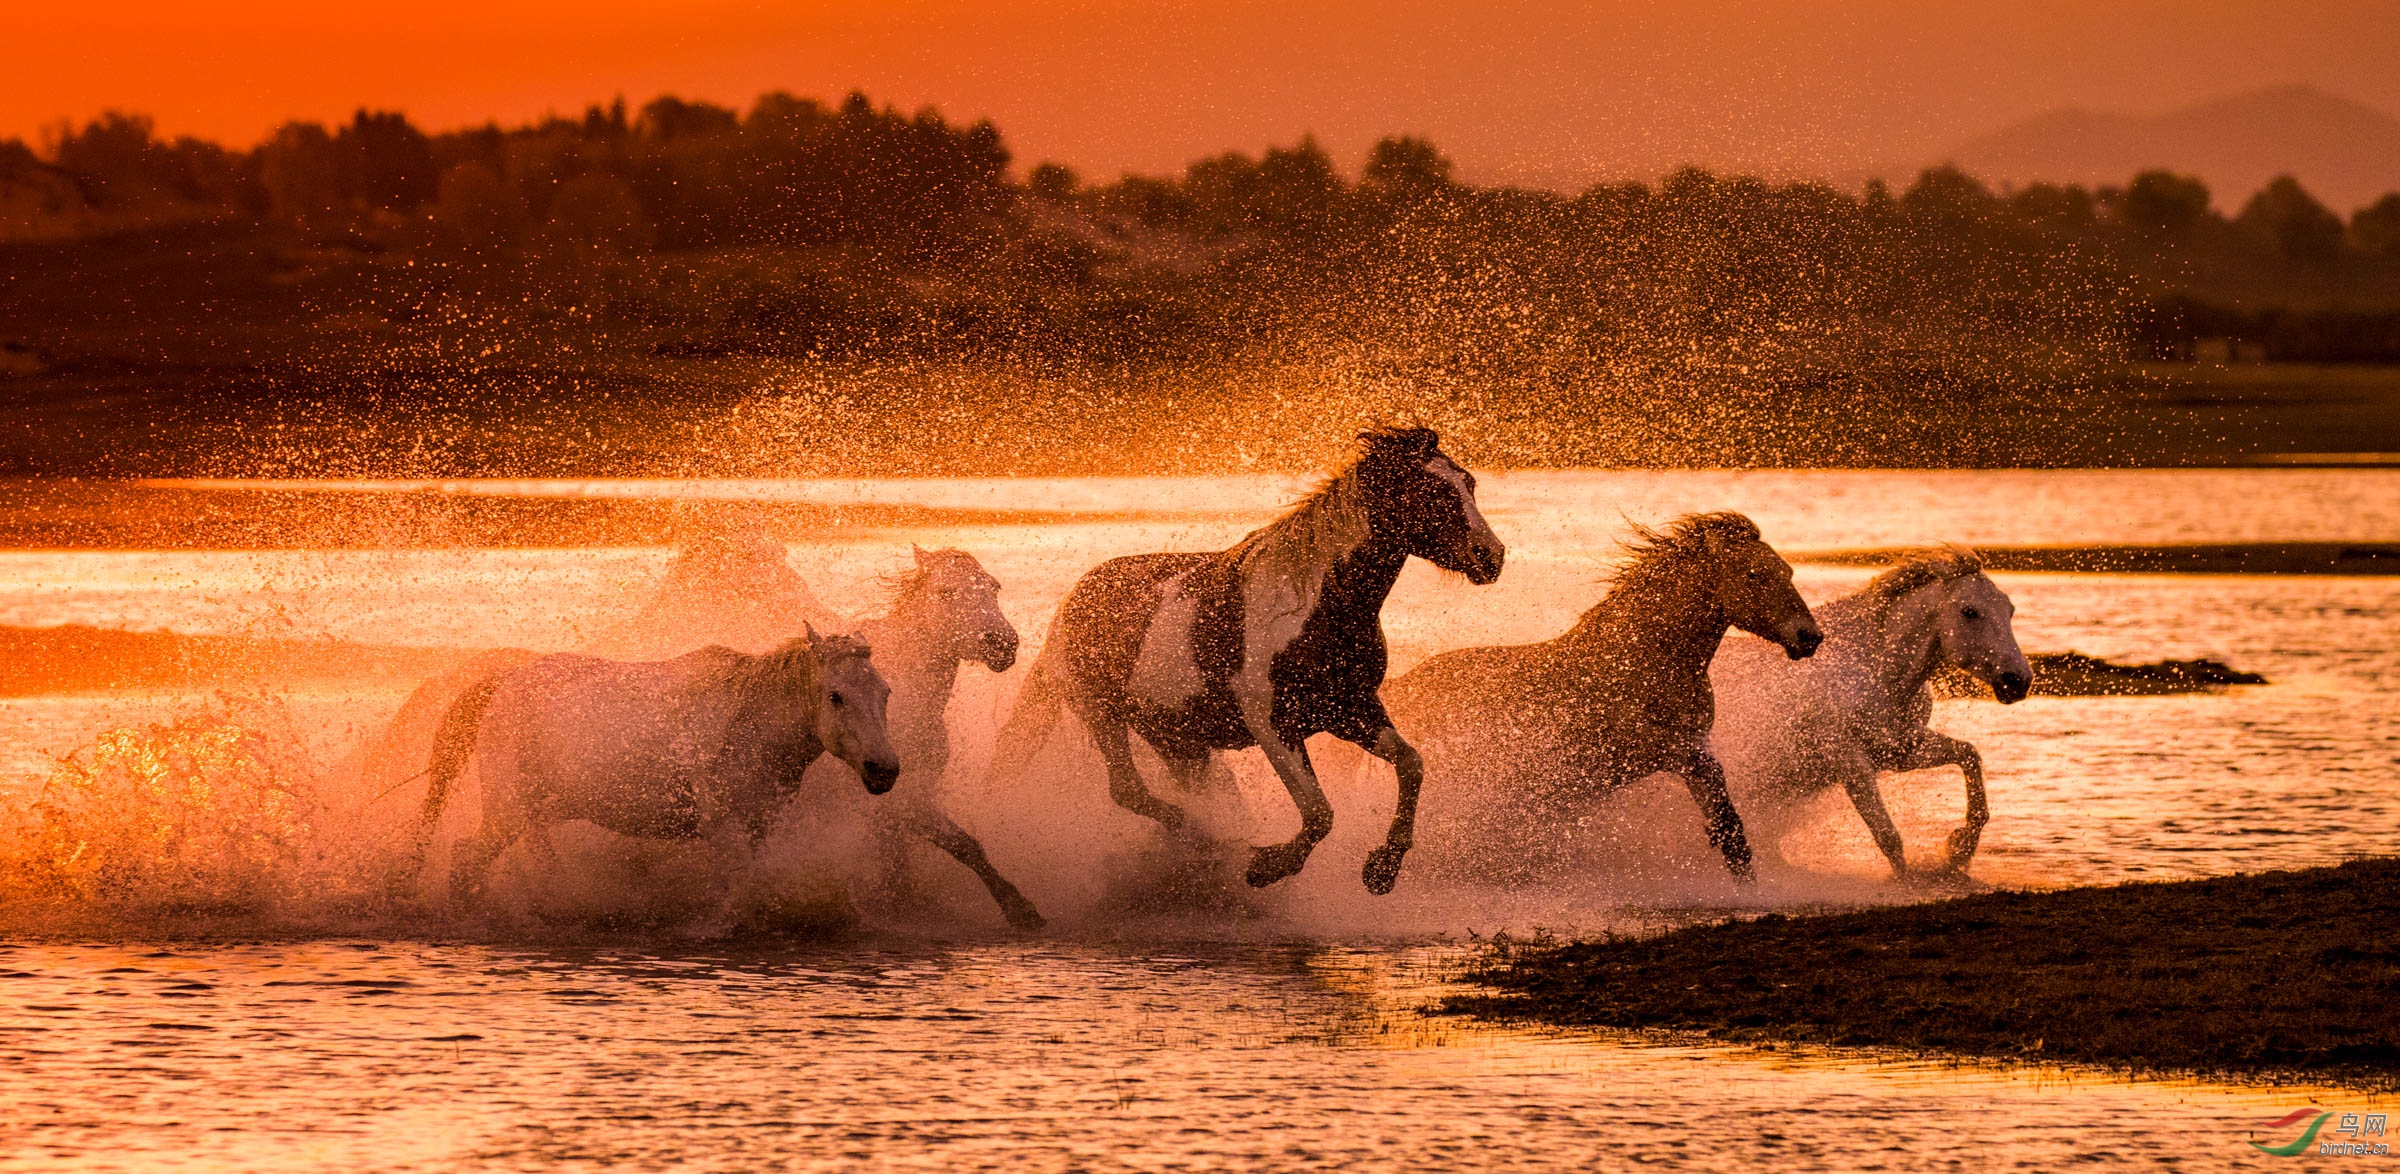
x=2344 y=152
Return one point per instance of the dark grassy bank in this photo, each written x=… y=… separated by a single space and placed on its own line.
x=2238 y=558
x=2283 y=972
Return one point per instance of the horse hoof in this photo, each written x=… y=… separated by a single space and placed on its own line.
x=1382 y=872
x=1268 y=865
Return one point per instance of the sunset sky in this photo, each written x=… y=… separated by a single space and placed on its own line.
x=1530 y=91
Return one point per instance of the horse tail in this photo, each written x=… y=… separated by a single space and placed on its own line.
x=453 y=743
x=1036 y=710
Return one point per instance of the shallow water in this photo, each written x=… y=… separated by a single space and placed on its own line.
x=1184 y=1030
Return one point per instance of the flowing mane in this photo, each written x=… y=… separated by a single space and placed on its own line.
x=1328 y=503
x=1925 y=568
x=899 y=585
x=1654 y=554
x=793 y=665
x=1939 y=565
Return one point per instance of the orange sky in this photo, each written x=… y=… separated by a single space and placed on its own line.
x=1537 y=91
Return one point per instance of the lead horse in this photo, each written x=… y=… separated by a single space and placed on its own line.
x=1790 y=731
x=1622 y=695
x=1262 y=645
x=704 y=746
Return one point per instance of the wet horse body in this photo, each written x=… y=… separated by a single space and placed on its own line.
x=1262 y=645
x=1538 y=731
x=704 y=746
x=946 y=613
x=1862 y=705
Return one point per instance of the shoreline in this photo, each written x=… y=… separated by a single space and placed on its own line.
x=2279 y=974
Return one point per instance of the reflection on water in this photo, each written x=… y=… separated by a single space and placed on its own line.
x=400 y=1056
x=1276 y=1028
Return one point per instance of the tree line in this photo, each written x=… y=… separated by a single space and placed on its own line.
x=1240 y=244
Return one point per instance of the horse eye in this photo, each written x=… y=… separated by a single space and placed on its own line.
x=836 y=698
x=1971 y=613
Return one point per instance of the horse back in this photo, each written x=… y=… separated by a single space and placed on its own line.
x=1103 y=620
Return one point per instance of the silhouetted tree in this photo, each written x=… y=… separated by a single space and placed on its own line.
x=385 y=162
x=2376 y=227
x=668 y=117
x=1055 y=182
x=300 y=170
x=2284 y=216
x=2165 y=206
x=1407 y=164
x=110 y=158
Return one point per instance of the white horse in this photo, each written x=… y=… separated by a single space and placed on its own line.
x=704 y=746
x=1789 y=729
x=944 y=613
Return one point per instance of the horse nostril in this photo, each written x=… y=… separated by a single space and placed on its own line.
x=880 y=776
x=1805 y=642
x=2011 y=687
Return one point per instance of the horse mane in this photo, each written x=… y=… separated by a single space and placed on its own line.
x=899 y=585
x=1307 y=518
x=771 y=675
x=1653 y=554
x=1941 y=564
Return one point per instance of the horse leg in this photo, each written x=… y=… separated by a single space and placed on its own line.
x=475 y=856
x=1705 y=779
x=1383 y=864
x=1124 y=781
x=1932 y=750
x=1271 y=864
x=930 y=822
x=1858 y=777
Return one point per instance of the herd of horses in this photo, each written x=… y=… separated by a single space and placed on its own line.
x=1265 y=644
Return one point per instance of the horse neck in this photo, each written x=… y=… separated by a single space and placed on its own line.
x=765 y=685
x=1314 y=535
x=1329 y=545
x=1664 y=620
x=1902 y=645
x=912 y=661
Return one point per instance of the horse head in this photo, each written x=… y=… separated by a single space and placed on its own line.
x=851 y=712
x=1754 y=585
x=1977 y=632
x=958 y=602
x=1422 y=500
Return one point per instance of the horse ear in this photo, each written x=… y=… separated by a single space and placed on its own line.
x=814 y=640
x=918 y=552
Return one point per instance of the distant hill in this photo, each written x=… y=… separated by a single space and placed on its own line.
x=2346 y=153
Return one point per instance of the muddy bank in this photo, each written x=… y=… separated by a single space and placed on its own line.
x=2241 y=558
x=2072 y=674
x=2292 y=972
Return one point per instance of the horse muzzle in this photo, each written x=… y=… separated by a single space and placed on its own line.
x=1482 y=562
x=879 y=777
x=1804 y=642
x=2011 y=687
x=998 y=653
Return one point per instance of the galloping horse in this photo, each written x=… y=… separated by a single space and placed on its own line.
x=1262 y=645
x=702 y=746
x=1623 y=694
x=946 y=612
x=1788 y=731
